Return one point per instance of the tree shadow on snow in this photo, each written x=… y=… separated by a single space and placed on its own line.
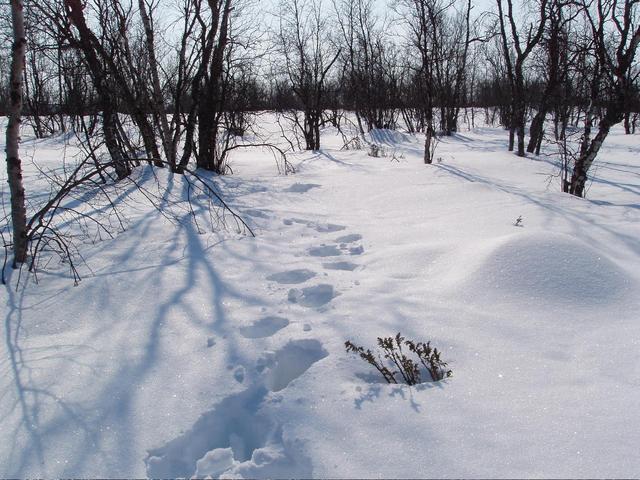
x=376 y=388
x=582 y=222
x=102 y=420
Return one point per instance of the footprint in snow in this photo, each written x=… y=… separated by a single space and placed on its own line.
x=232 y=426
x=334 y=251
x=348 y=266
x=329 y=227
x=345 y=240
x=291 y=361
x=292 y=276
x=318 y=227
x=255 y=213
x=301 y=187
x=238 y=374
x=312 y=297
x=353 y=237
x=324 y=251
x=264 y=327
x=239 y=438
x=291 y=221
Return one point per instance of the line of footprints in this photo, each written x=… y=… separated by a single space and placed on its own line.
x=297 y=356
x=239 y=437
x=316 y=296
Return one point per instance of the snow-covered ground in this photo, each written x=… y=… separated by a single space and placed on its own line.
x=184 y=353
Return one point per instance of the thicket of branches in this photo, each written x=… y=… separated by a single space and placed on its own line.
x=175 y=83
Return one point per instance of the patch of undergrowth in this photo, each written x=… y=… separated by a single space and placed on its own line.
x=394 y=364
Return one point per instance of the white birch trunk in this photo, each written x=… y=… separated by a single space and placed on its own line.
x=14 y=166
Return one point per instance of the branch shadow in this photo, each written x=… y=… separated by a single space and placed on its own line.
x=91 y=423
x=548 y=204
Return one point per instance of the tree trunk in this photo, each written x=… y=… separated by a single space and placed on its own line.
x=14 y=167
x=452 y=121
x=588 y=155
x=535 y=131
x=190 y=129
x=205 y=133
x=312 y=130
x=512 y=136
x=520 y=132
x=519 y=119
x=87 y=45
x=539 y=144
x=316 y=132
x=627 y=123
x=428 y=145
x=156 y=99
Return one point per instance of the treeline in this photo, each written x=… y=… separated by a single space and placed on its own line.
x=173 y=83
x=202 y=63
x=187 y=73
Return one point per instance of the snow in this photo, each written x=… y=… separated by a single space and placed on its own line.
x=186 y=352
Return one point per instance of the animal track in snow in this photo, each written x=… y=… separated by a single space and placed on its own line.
x=232 y=425
x=291 y=361
x=313 y=297
x=239 y=373
x=238 y=438
x=215 y=462
x=252 y=212
x=291 y=221
x=329 y=227
x=334 y=251
x=340 y=266
x=318 y=227
x=353 y=237
x=324 y=251
x=264 y=327
x=301 y=187
x=292 y=276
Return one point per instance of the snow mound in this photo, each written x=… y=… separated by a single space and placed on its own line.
x=545 y=268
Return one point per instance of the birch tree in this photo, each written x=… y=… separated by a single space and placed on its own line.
x=516 y=48
x=14 y=165
x=616 y=35
x=306 y=45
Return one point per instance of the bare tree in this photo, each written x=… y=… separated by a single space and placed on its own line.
x=309 y=53
x=421 y=16
x=207 y=75
x=452 y=38
x=156 y=99
x=210 y=103
x=368 y=62
x=516 y=50
x=91 y=47
x=615 y=27
x=556 y=46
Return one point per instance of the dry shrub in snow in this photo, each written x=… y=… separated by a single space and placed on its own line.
x=392 y=362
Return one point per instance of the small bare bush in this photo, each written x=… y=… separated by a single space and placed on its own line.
x=393 y=364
